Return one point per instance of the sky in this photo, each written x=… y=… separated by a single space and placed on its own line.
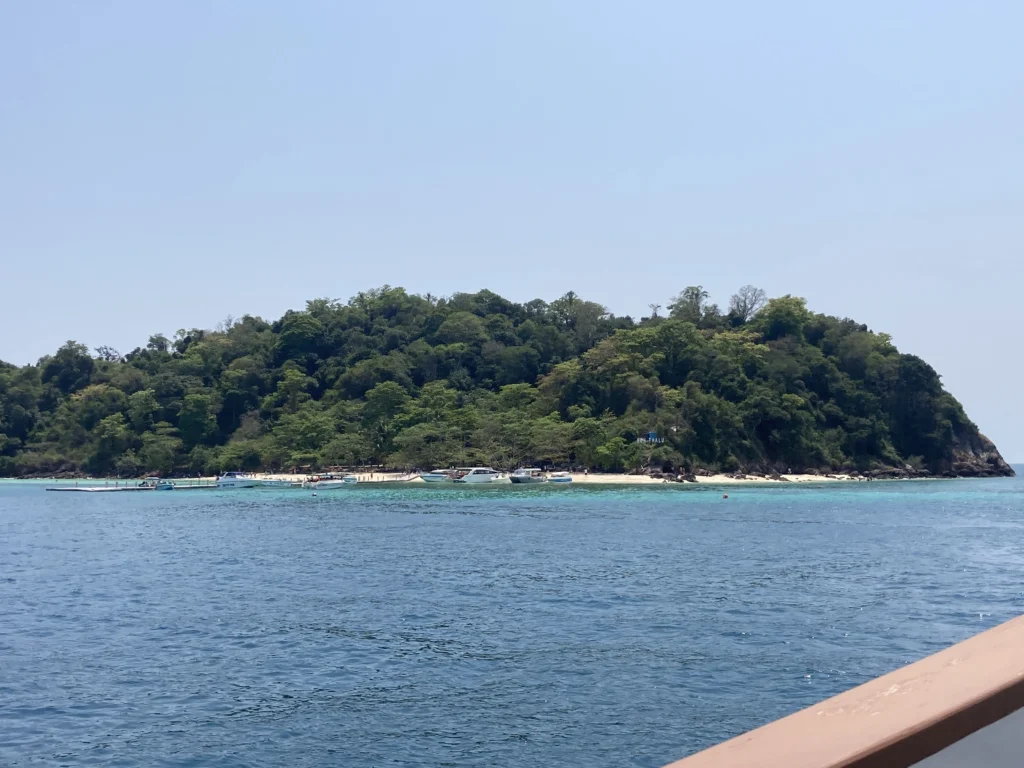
x=166 y=165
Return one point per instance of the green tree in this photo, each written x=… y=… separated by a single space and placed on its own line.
x=785 y=316
x=550 y=439
x=70 y=368
x=158 y=343
x=306 y=431
x=383 y=404
x=110 y=439
x=196 y=420
x=143 y=408
x=293 y=389
x=128 y=464
x=95 y=402
x=347 y=449
x=426 y=446
x=612 y=455
x=300 y=334
x=462 y=328
x=690 y=304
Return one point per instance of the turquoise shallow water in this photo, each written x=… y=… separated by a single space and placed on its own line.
x=469 y=627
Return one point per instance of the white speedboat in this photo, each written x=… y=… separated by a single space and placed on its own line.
x=330 y=482
x=527 y=476
x=481 y=475
x=438 y=476
x=238 y=480
x=281 y=483
x=559 y=477
x=157 y=484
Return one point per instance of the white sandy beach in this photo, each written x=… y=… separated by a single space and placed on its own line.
x=599 y=478
x=579 y=478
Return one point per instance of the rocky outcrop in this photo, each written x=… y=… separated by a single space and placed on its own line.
x=974 y=455
x=971 y=454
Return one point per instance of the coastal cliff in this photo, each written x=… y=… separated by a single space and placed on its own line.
x=474 y=379
x=974 y=455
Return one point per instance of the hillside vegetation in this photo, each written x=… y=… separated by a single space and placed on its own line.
x=422 y=382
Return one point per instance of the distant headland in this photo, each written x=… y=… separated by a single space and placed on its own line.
x=390 y=378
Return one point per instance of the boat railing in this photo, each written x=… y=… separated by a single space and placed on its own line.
x=963 y=706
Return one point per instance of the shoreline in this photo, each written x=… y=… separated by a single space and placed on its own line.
x=717 y=479
x=578 y=478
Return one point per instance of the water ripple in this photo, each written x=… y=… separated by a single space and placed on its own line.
x=462 y=627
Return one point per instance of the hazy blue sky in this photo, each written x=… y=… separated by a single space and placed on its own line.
x=164 y=165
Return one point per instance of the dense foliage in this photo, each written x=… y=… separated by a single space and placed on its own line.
x=417 y=381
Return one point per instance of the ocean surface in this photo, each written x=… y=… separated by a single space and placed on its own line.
x=506 y=626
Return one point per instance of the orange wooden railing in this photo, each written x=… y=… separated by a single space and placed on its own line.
x=896 y=720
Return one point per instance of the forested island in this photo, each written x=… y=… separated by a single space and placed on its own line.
x=392 y=378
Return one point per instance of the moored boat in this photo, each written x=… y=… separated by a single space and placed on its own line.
x=527 y=475
x=559 y=477
x=438 y=476
x=238 y=480
x=281 y=483
x=475 y=475
x=330 y=482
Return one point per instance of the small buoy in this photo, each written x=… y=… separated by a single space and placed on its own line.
x=724 y=495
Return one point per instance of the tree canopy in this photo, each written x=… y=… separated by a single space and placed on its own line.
x=420 y=381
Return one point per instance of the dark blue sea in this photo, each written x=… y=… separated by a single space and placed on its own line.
x=507 y=626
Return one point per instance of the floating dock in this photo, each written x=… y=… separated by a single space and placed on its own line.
x=130 y=488
x=101 y=489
